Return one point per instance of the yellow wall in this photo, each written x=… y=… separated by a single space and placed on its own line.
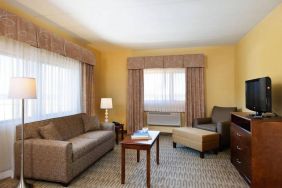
x=111 y=81
x=259 y=54
x=220 y=82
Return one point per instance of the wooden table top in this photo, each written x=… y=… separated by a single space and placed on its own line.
x=153 y=134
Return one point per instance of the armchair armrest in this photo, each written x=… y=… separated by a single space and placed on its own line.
x=199 y=121
x=46 y=159
x=108 y=126
x=223 y=128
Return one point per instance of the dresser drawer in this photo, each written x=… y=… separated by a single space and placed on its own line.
x=241 y=150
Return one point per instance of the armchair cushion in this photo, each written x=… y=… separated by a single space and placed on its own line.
x=50 y=132
x=220 y=114
x=198 y=121
x=207 y=127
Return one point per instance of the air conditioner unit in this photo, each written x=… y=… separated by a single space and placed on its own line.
x=164 y=119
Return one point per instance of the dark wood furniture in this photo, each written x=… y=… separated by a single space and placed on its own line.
x=256 y=149
x=119 y=129
x=138 y=145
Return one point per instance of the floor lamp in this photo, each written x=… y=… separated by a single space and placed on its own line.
x=22 y=88
x=106 y=103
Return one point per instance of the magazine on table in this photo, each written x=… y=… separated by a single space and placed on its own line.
x=141 y=134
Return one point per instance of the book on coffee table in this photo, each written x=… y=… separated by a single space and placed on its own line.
x=141 y=134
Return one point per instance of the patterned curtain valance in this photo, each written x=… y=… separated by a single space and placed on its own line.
x=15 y=27
x=170 y=61
x=154 y=62
x=195 y=60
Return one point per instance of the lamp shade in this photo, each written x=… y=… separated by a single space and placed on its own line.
x=22 y=88
x=106 y=103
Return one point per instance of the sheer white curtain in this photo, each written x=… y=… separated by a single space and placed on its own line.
x=58 y=81
x=164 y=90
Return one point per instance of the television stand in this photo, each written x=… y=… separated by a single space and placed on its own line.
x=256 y=149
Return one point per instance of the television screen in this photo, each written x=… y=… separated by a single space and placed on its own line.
x=258 y=95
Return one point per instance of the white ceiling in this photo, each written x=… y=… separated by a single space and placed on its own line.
x=143 y=24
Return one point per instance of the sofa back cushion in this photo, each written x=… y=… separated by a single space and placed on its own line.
x=91 y=123
x=67 y=126
x=221 y=114
x=50 y=132
x=70 y=126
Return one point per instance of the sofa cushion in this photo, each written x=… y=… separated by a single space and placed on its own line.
x=62 y=127
x=100 y=136
x=50 y=132
x=75 y=124
x=69 y=126
x=207 y=127
x=91 y=123
x=82 y=146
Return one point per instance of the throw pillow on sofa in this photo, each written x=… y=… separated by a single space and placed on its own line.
x=91 y=123
x=50 y=132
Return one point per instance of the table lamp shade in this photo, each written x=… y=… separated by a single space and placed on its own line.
x=106 y=103
x=22 y=88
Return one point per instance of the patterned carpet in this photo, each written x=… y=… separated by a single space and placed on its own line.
x=180 y=167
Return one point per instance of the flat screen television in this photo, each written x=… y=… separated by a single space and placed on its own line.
x=258 y=95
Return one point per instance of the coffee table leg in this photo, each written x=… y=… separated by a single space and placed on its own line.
x=158 y=151
x=148 y=167
x=138 y=155
x=122 y=164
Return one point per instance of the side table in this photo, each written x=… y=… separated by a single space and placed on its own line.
x=119 y=128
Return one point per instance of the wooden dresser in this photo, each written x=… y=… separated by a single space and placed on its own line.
x=256 y=149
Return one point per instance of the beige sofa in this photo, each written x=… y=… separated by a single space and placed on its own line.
x=61 y=161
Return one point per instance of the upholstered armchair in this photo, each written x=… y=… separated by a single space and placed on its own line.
x=218 y=122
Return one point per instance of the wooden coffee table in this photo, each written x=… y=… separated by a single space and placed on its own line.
x=138 y=145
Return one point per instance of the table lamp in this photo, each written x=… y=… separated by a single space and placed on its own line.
x=22 y=88
x=106 y=103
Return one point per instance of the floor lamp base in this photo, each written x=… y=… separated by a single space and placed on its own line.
x=23 y=184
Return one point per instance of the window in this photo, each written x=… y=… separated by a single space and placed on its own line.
x=164 y=90
x=58 y=81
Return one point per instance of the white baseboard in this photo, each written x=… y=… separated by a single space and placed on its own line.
x=6 y=174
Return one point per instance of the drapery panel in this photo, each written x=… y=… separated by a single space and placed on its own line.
x=58 y=81
x=164 y=90
x=17 y=28
x=135 y=100
x=88 y=84
x=195 y=100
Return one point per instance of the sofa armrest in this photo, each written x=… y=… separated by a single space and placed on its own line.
x=46 y=159
x=108 y=126
x=223 y=128
x=199 y=121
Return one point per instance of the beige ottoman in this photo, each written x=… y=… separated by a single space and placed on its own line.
x=197 y=139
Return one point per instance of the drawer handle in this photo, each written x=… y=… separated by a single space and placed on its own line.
x=238 y=161
x=238 y=148
x=238 y=134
